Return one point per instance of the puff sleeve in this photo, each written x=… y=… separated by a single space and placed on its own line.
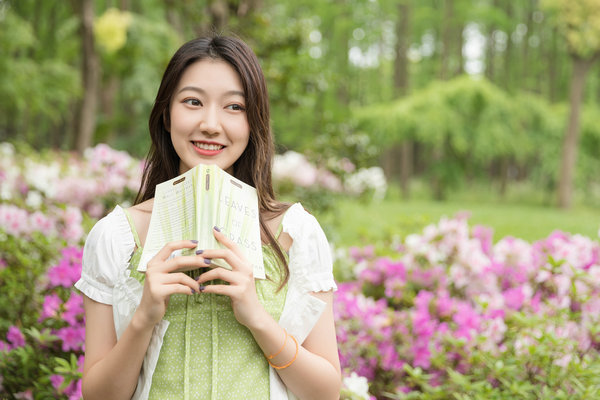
x=310 y=255
x=106 y=255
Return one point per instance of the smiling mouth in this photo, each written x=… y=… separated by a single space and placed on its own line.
x=208 y=146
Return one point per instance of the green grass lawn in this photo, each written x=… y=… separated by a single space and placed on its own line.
x=353 y=223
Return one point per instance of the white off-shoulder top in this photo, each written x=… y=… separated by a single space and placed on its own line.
x=105 y=279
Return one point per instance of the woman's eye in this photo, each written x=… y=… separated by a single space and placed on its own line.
x=236 y=107
x=192 y=102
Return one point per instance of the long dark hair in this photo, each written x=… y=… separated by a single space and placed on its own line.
x=254 y=165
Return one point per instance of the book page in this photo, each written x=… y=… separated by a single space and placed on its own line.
x=173 y=215
x=235 y=211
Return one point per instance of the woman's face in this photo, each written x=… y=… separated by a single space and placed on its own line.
x=209 y=124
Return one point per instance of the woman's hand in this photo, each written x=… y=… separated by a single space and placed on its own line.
x=246 y=307
x=164 y=277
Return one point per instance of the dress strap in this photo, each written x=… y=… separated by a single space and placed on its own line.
x=136 y=238
x=279 y=229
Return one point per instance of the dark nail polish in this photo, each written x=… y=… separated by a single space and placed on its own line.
x=217 y=229
x=207 y=261
x=193 y=291
x=202 y=287
x=194 y=241
x=199 y=251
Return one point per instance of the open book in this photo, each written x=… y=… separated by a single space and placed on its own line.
x=190 y=205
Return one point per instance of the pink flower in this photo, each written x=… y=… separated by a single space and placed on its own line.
x=485 y=235
x=15 y=337
x=80 y=361
x=74 y=390
x=41 y=223
x=25 y=395
x=4 y=347
x=57 y=381
x=72 y=338
x=68 y=270
x=51 y=306
x=422 y=356
x=73 y=309
x=514 y=298
x=61 y=275
x=467 y=320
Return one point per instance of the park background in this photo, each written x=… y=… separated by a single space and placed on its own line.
x=449 y=148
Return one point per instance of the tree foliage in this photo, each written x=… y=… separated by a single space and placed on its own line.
x=322 y=60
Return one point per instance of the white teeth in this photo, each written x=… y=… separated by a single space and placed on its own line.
x=207 y=146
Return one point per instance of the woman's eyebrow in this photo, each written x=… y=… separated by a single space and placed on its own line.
x=202 y=91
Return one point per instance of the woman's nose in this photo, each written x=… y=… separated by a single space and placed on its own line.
x=210 y=123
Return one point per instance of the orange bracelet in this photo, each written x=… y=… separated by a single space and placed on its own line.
x=282 y=347
x=293 y=359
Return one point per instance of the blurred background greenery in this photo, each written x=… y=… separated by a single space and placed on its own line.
x=487 y=105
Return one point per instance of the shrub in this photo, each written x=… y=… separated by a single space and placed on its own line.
x=453 y=313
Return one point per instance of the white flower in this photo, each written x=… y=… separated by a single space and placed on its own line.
x=358 y=385
x=7 y=150
x=34 y=199
x=368 y=179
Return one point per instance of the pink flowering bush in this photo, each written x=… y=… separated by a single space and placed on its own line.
x=43 y=357
x=47 y=203
x=450 y=312
x=317 y=186
x=45 y=181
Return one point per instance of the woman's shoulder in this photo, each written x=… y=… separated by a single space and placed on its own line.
x=311 y=265
x=106 y=254
x=297 y=219
x=140 y=217
x=111 y=231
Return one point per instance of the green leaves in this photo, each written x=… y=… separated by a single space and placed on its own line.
x=579 y=22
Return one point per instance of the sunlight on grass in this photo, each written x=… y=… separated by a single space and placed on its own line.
x=354 y=223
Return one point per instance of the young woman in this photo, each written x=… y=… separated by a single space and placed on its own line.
x=165 y=335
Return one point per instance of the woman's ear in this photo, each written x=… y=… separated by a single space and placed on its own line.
x=166 y=121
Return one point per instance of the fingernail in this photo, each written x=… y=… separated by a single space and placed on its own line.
x=216 y=228
x=194 y=241
x=193 y=291
x=199 y=251
x=202 y=287
x=207 y=261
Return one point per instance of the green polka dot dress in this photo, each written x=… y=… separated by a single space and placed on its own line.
x=206 y=353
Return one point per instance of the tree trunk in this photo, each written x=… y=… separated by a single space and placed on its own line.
x=219 y=11
x=570 y=141
x=402 y=45
x=173 y=17
x=490 y=50
x=401 y=86
x=90 y=73
x=525 y=64
x=446 y=38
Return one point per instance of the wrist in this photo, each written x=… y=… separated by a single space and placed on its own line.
x=140 y=324
x=261 y=322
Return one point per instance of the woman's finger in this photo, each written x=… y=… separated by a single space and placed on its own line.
x=168 y=249
x=179 y=277
x=176 y=288
x=230 y=244
x=183 y=263
x=227 y=290
x=225 y=254
x=220 y=273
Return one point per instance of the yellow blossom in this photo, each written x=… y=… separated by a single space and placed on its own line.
x=110 y=29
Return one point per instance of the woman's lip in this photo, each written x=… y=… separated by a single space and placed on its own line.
x=206 y=152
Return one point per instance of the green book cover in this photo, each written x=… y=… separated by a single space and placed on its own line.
x=190 y=205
